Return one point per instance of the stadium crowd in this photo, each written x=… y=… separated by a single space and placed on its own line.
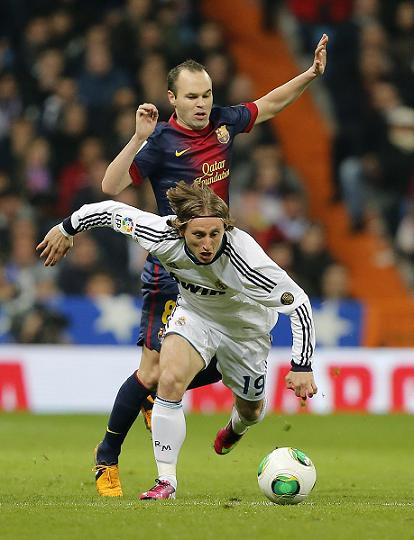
x=72 y=74
x=371 y=87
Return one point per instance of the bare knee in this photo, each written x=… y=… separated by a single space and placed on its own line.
x=149 y=368
x=171 y=385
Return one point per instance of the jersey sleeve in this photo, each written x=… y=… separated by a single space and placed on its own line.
x=146 y=160
x=242 y=117
x=149 y=230
x=264 y=281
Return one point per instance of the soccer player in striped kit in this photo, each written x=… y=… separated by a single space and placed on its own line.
x=195 y=144
x=230 y=297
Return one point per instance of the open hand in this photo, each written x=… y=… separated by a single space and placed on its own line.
x=319 y=61
x=54 y=246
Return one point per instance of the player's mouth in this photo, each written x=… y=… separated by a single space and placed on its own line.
x=200 y=115
x=206 y=255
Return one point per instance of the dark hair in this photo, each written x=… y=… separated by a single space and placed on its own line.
x=189 y=65
x=196 y=200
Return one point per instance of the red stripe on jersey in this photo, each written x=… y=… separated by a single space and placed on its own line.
x=154 y=294
x=135 y=174
x=254 y=111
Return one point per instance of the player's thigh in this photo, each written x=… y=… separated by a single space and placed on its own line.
x=194 y=331
x=179 y=359
x=243 y=364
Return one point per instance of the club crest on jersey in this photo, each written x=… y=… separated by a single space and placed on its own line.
x=180 y=321
x=287 y=298
x=161 y=333
x=223 y=135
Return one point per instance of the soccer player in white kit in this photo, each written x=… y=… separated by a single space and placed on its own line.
x=230 y=297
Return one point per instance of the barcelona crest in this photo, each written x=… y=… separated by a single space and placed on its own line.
x=223 y=135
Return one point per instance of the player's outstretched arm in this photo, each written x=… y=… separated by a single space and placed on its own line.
x=143 y=227
x=117 y=177
x=54 y=246
x=276 y=100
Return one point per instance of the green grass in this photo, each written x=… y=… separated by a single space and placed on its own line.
x=365 y=487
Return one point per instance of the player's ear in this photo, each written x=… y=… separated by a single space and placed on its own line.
x=171 y=97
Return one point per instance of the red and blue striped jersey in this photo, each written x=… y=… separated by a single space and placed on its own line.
x=173 y=153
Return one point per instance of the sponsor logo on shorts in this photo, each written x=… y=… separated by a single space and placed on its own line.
x=287 y=298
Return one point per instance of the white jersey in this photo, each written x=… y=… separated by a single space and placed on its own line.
x=240 y=293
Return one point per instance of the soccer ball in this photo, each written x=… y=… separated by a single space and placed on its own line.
x=286 y=476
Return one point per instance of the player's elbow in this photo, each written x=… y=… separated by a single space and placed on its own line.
x=108 y=187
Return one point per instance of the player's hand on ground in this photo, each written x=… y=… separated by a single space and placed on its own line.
x=319 y=61
x=54 y=246
x=302 y=383
x=145 y=120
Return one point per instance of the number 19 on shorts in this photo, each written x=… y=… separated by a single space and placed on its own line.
x=258 y=384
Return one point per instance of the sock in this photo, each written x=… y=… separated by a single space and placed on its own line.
x=240 y=425
x=207 y=376
x=124 y=413
x=168 y=434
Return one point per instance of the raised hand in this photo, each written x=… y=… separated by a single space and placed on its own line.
x=319 y=61
x=145 y=120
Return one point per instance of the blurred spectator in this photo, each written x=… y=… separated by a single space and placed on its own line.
x=83 y=261
x=100 y=284
x=39 y=325
x=335 y=283
x=311 y=259
x=10 y=103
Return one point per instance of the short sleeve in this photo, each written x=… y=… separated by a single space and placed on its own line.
x=146 y=161
x=242 y=116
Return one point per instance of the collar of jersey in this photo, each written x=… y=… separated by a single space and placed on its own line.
x=192 y=132
x=218 y=254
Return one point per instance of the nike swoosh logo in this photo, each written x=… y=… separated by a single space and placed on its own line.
x=181 y=152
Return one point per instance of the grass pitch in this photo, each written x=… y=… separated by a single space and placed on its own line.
x=365 y=486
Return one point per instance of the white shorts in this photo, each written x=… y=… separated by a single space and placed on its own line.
x=243 y=363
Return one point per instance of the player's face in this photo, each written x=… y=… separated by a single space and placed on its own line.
x=193 y=99
x=203 y=237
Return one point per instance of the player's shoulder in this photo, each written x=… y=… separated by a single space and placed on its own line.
x=229 y=114
x=240 y=241
x=160 y=129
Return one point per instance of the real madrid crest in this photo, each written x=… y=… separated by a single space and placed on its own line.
x=287 y=298
x=223 y=135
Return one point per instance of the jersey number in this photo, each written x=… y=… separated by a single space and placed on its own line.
x=168 y=309
x=259 y=384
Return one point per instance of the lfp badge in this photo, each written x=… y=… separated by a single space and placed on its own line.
x=127 y=225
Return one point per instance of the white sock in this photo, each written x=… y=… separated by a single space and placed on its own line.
x=240 y=425
x=237 y=423
x=168 y=434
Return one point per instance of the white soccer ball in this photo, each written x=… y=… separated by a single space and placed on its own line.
x=286 y=476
